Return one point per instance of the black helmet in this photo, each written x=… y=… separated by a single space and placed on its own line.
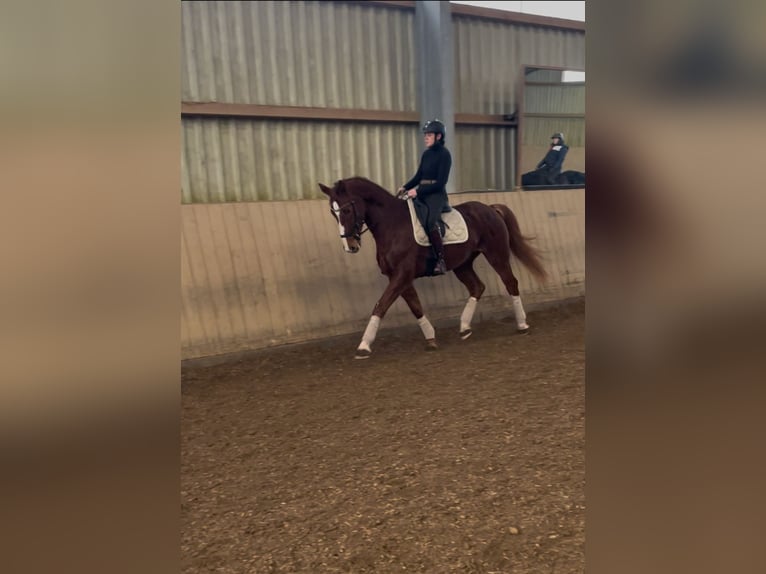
x=558 y=135
x=435 y=127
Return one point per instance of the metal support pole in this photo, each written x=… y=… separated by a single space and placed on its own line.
x=435 y=71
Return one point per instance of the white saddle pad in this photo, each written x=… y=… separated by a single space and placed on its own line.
x=456 y=229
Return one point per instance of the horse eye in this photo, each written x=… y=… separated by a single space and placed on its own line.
x=345 y=211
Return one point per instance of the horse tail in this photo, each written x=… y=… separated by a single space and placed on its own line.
x=520 y=246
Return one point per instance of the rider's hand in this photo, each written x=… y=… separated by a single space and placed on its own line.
x=412 y=193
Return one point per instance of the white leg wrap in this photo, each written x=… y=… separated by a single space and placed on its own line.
x=518 y=311
x=467 y=316
x=427 y=328
x=370 y=333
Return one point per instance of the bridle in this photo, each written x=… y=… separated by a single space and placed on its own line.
x=356 y=231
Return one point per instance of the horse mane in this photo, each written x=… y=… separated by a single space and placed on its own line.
x=366 y=188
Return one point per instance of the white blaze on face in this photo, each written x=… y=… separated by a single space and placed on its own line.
x=336 y=209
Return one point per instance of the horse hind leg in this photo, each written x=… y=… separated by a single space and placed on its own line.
x=502 y=266
x=410 y=297
x=467 y=276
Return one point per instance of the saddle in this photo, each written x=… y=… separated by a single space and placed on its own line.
x=455 y=229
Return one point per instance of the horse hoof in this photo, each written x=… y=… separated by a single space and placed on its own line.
x=362 y=354
x=431 y=345
x=523 y=330
x=465 y=334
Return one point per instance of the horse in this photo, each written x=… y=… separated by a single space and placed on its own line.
x=493 y=231
x=540 y=177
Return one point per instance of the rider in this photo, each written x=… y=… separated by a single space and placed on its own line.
x=428 y=187
x=550 y=166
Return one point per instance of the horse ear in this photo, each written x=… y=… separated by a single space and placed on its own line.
x=326 y=190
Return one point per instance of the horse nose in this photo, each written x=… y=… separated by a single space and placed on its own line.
x=354 y=249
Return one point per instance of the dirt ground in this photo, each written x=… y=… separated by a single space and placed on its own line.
x=466 y=459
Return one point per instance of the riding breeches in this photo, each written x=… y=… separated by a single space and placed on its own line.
x=429 y=209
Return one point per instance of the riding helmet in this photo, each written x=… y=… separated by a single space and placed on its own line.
x=435 y=127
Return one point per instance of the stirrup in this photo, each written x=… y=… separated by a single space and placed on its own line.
x=440 y=268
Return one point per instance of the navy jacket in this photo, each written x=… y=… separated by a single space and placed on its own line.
x=554 y=159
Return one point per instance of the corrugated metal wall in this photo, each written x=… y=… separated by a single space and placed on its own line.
x=342 y=55
x=490 y=59
x=548 y=99
x=484 y=157
x=324 y=54
x=538 y=46
x=542 y=75
x=246 y=160
x=563 y=98
x=490 y=56
x=259 y=274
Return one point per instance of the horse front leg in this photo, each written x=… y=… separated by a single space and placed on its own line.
x=394 y=289
x=410 y=297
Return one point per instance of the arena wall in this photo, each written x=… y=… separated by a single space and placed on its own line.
x=267 y=273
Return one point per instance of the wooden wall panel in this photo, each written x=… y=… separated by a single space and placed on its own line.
x=261 y=274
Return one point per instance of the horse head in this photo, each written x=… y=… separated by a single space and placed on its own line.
x=349 y=211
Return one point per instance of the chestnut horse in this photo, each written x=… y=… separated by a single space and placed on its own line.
x=492 y=231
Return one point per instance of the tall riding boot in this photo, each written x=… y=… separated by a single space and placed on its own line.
x=436 y=241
